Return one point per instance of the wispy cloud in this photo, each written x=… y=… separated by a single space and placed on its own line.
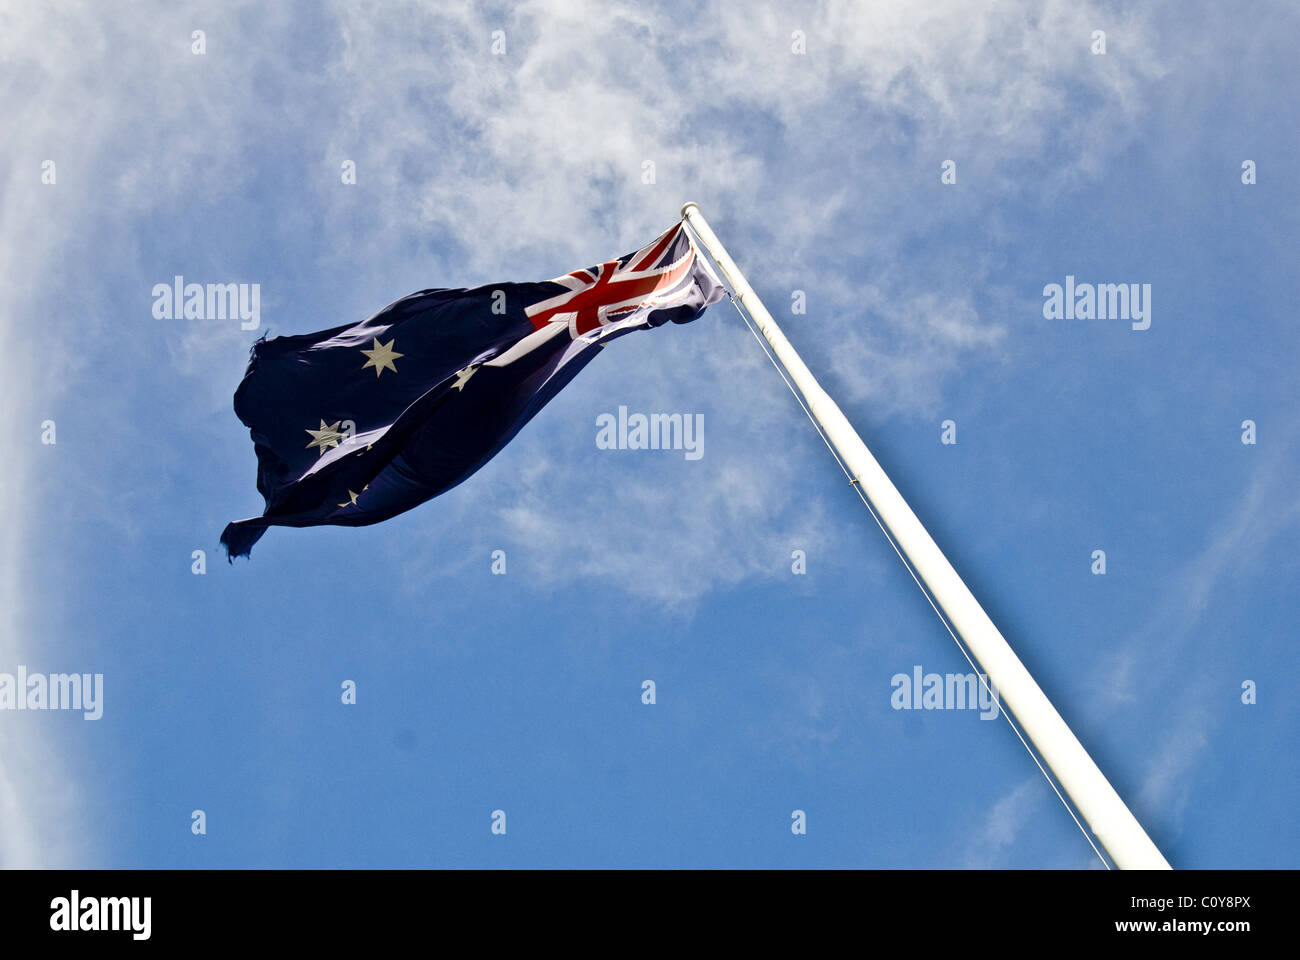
x=538 y=163
x=1002 y=826
x=1268 y=508
x=474 y=167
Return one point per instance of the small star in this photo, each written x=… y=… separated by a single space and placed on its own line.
x=382 y=356
x=352 y=497
x=325 y=437
x=462 y=376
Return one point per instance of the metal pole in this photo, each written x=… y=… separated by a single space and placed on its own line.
x=1110 y=820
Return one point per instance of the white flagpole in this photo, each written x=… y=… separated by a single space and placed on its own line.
x=1110 y=820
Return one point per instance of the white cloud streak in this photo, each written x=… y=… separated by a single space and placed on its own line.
x=473 y=167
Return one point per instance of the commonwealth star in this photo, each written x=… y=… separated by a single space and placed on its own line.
x=382 y=356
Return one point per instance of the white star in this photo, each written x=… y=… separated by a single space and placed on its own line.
x=382 y=356
x=325 y=437
x=462 y=376
x=352 y=497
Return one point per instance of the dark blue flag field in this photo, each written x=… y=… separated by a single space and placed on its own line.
x=362 y=422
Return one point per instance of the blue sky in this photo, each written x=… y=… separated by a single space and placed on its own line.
x=821 y=173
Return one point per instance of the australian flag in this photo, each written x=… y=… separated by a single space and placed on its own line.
x=360 y=423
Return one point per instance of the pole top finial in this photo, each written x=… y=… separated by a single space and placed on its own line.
x=687 y=207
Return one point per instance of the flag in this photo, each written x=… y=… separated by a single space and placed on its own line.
x=359 y=423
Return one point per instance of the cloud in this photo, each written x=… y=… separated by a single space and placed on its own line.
x=651 y=523
x=38 y=826
x=125 y=143
x=1268 y=508
x=533 y=161
x=988 y=847
x=473 y=167
x=900 y=364
x=1168 y=783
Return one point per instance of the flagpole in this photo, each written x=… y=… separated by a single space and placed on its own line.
x=1110 y=820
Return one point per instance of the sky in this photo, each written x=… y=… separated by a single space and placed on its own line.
x=817 y=138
